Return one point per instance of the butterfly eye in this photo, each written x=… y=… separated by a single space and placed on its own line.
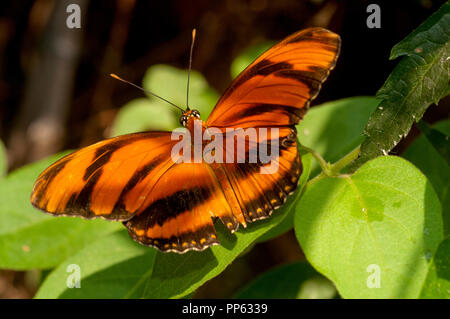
x=196 y=113
x=183 y=121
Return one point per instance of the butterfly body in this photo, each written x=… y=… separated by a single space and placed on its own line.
x=169 y=201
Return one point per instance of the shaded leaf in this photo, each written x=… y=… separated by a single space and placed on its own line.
x=437 y=283
x=385 y=219
x=439 y=140
x=420 y=79
x=431 y=29
x=425 y=157
x=296 y=280
x=111 y=267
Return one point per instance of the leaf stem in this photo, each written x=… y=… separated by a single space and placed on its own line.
x=347 y=159
x=324 y=165
x=331 y=170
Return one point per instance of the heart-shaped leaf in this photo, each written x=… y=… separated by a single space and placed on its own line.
x=372 y=233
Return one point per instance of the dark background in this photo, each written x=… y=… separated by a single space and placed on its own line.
x=55 y=92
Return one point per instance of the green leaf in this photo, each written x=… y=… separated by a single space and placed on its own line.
x=170 y=83
x=247 y=57
x=437 y=283
x=111 y=267
x=3 y=160
x=296 y=280
x=31 y=239
x=172 y=275
x=434 y=29
x=335 y=128
x=141 y=115
x=438 y=139
x=384 y=220
x=288 y=222
x=422 y=154
x=420 y=79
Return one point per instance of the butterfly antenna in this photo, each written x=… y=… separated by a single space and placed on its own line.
x=190 y=67
x=144 y=90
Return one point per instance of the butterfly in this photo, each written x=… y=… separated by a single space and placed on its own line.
x=172 y=205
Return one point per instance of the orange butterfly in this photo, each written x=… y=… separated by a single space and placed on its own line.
x=170 y=205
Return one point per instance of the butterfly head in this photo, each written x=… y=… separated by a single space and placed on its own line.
x=189 y=115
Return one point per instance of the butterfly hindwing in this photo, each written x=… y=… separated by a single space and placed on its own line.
x=259 y=187
x=177 y=215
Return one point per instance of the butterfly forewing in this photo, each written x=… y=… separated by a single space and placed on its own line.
x=276 y=89
x=109 y=179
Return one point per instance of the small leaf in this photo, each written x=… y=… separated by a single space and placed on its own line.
x=317 y=288
x=171 y=84
x=335 y=128
x=384 y=222
x=111 y=267
x=31 y=239
x=437 y=283
x=420 y=79
x=141 y=115
x=422 y=154
x=296 y=280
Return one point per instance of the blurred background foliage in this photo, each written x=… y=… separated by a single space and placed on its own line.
x=55 y=92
